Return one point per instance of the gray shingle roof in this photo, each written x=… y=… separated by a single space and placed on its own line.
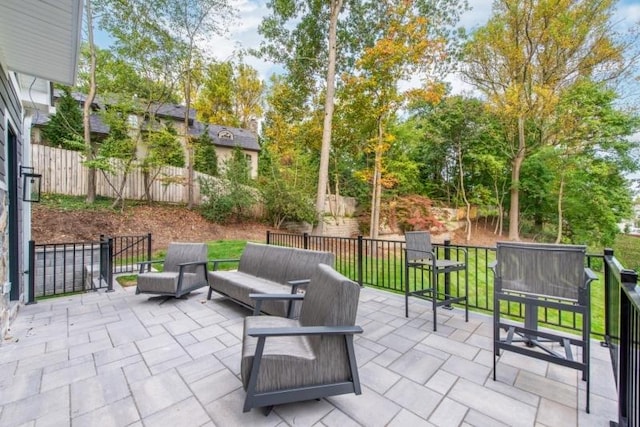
x=97 y=125
x=246 y=139
x=241 y=137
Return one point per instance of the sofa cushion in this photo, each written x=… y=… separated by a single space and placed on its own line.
x=238 y=285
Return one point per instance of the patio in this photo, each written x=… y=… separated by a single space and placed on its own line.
x=117 y=359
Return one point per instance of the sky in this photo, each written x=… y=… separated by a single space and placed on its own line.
x=244 y=32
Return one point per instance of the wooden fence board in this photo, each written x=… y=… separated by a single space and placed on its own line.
x=64 y=172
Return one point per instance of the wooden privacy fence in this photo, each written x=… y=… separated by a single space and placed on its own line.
x=64 y=172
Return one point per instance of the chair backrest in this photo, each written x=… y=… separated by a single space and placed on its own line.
x=303 y=263
x=331 y=300
x=418 y=244
x=542 y=269
x=179 y=253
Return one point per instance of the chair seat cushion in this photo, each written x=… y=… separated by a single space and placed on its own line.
x=286 y=361
x=166 y=282
x=239 y=285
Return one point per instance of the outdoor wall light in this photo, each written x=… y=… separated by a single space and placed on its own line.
x=31 y=184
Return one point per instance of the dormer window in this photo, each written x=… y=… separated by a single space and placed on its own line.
x=225 y=134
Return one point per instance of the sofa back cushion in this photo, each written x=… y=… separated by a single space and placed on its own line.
x=251 y=258
x=303 y=263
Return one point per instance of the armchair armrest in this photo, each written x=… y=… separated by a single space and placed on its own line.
x=142 y=264
x=304 y=330
x=274 y=297
x=181 y=267
x=492 y=265
x=295 y=284
x=591 y=276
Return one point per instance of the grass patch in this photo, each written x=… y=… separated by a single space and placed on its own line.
x=627 y=249
x=219 y=249
x=128 y=280
x=75 y=203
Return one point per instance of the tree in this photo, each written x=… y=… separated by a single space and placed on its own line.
x=165 y=37
x=189 y=21
x=91 y=146
x=302 y=50
x=528 y=52
x=232 y=196
x=216 y=98
x=231 y=95
x=403 y=49
x=162 y=149
x=206 y=160
x=248 y=90
x=64 y=128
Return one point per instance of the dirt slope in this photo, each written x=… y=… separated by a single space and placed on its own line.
x=166 y=224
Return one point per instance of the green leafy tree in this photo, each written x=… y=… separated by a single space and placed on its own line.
x=206 y=156
x=64 y=128
x=117 y=153
x=526 y=55
x=163 y=149
x=216 y=98
x=232 y=196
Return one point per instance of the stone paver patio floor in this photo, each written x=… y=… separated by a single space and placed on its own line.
x=120 y=359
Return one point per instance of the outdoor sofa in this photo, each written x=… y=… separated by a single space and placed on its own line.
x=268 y=269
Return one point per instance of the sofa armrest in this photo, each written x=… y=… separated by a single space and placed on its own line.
x=216 y=262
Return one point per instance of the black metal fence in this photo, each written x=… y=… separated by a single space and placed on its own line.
x=380 y=263
x=62 y=268
x=622 y=336
x=128 y=251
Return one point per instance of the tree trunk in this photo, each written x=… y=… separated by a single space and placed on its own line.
x=86 y=111
x=189 y=145
x=376 y=186
x=560 y=195
x=464 y=194
x=516 y=164
x=323 y=175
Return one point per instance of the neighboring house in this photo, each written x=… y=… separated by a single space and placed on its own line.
x=224 y=138
x=39 y=42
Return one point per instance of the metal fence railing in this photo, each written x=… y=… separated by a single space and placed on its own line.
x=62 y=268
x=622 y=336
x=615 y=297
x=128 y=251
x=380 y=263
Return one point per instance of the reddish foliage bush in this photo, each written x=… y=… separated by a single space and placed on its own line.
x=411 y=213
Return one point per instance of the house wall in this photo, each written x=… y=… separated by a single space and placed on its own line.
x=224 y=153
x=10 y=117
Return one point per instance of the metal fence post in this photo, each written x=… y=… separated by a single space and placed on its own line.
x=305 y=243
x=32 y=272
x=148 y=246
x=110 y=264
x=268 y=237
x=360 y=259
x=627 y=400
x=447 y=276
x=608 y=255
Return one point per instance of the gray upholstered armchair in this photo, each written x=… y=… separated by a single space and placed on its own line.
x=185 y=270
x=287 y=360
